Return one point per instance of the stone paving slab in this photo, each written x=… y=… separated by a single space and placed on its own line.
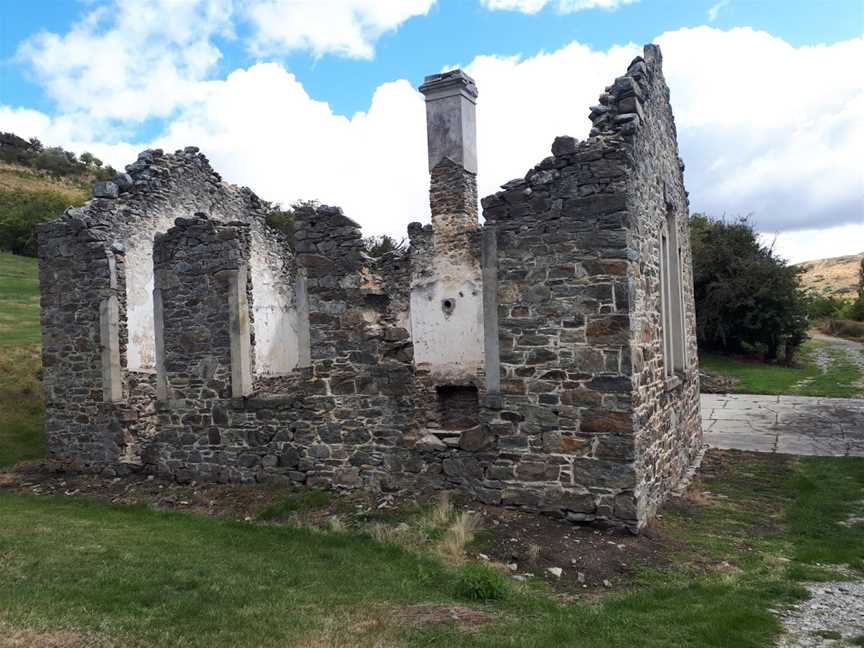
x=800 y=425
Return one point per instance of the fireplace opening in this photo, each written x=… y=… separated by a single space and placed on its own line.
x=459 y=406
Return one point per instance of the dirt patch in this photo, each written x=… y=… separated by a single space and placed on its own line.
x=16 y=637
x=577 y=561
x=464 y=618
x=239 y=501
x=588 y=557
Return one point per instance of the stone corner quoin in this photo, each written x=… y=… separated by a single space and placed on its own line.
x=544 y=360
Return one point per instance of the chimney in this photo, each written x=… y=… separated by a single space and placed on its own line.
x=451 y=132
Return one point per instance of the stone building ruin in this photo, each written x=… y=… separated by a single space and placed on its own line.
x=545 y=359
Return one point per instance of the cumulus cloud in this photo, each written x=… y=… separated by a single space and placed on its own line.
x=346 y=27
x=139 y=60
x=561 y=6
x=110 y=63
x=373 y=164
x=765 y=128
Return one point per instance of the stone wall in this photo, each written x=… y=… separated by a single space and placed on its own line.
x=121 y=221
x=587 y=409
x=525 y=361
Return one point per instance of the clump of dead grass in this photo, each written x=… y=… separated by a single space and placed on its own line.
x=441 y=528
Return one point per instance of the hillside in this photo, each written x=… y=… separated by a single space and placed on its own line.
x=21 y=426
x=28 y=197
x=15 y=178
x=36 y=184
x=837 y=276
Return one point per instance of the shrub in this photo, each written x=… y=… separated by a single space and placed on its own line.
x=481 y=583
x=844 y=328
x=283 y=219
x=20 y=212
x=819 y=306
x=378 y=246
x=53 y=159
x=747 y=298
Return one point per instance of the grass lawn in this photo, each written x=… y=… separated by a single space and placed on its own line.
x=21 y=418
x=131 y=576
x=77 y=573
x=842 y=378
x=19 y=301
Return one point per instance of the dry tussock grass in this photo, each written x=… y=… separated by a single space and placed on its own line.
x=442 y=528
x=353 y=631
x=16 y=179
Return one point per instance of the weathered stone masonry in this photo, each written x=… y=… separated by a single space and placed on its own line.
x=544 y=360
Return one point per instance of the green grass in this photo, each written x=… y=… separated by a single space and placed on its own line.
x=19 y=301
x=21 y=412
x=172 y=579
x=820 y=496
x=132 y=576
x=841 y=380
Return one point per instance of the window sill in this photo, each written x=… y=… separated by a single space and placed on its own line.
x=672 y=383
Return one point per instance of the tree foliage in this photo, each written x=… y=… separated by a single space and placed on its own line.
x=284 y=219
x=748 y=300
x=20 y=212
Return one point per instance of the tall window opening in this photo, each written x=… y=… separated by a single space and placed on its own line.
x=672 y=299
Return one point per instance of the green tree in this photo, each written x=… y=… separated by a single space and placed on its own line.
x=748 y=300
x=820 y=306
x=20 y=212
x=90 y=160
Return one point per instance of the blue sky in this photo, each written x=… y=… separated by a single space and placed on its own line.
x=453 y=33
x=95 y=74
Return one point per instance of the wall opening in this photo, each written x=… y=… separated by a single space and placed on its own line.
x=277 y=322
x=672 y=299
x=458 y=406
x=109 y=336
x=241 y=345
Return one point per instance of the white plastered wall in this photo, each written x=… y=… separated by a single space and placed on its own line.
x=275 y=313
x=448 y=344
x=141 y=349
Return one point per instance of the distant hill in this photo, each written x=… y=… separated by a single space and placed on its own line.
x=837 y=276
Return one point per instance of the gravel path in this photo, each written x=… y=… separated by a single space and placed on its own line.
x=854 y=351
x=832 y=617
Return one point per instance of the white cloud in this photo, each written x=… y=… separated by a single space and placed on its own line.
x=138 y=60
x=809 y=244
x=373 y=164
x=561 y=6
x=764 y=128
x=714 y=10
x=130 y=60
x=346 y=27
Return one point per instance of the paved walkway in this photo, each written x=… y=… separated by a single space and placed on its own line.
x=828 y=427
